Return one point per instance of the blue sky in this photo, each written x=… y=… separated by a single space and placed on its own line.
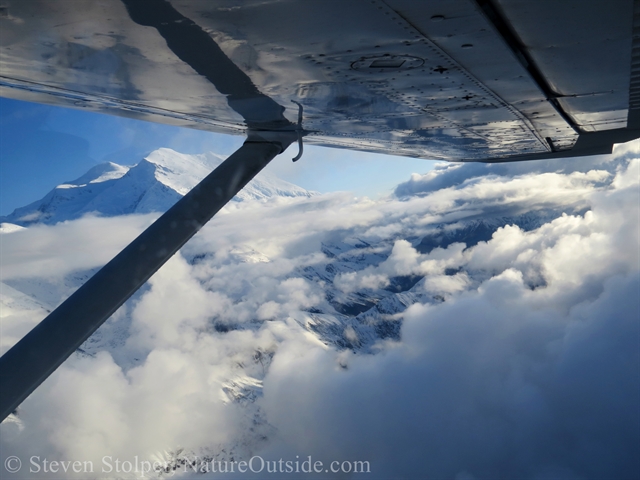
x=42 y=146
x=518 y=355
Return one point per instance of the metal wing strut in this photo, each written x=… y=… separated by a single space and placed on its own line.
x=43 y=349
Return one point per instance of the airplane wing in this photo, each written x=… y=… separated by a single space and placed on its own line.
x=466 y=80
x=457 y=80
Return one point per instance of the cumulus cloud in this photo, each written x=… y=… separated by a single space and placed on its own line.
x=517 y=357
x=53 y=251
x=484 y=385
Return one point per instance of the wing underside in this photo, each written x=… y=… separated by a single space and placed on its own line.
x=460 y=80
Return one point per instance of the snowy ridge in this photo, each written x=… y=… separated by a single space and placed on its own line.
x=153 y=185
x=9 y=228
x=13 y=300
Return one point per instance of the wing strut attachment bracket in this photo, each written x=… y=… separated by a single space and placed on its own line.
x=299 y=132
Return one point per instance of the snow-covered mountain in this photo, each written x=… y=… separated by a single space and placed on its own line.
x=153 y=185
x=350 y=286
x=354 y=320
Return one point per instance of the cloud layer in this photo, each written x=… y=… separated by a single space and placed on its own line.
x=518 y=358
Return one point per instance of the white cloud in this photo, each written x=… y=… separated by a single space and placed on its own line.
x=526 y=365
x=483 y=384
x=49 y=251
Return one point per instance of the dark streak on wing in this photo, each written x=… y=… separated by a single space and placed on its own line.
x=511 y=39
x=195 y=47
x=633 y=118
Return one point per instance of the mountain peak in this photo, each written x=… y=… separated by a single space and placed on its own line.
x=181 y=172
x=153 y=185
x=100 y=173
